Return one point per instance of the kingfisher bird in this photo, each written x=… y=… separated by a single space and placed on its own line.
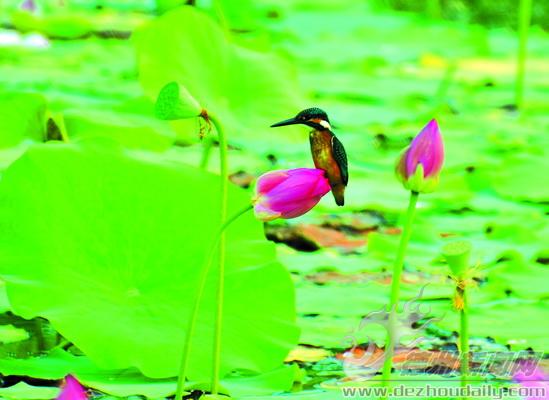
x=327 y=151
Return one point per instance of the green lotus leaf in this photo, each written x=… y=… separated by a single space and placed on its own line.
x=22 y=116
x=23 y=391
x=60 y=25
x=109 y=246
x=58 y=363
x=130 y=130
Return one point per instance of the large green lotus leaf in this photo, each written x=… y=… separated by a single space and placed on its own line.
x=132 y=131
x=246 y=90
x=23 y=391
x=326 y=260
x=361 y=299
x=165 y=5
x=65 y=26
x=9 y=155
x=59 y=363
x=521 y=279
x=328 y=324
x=54 y=365
x=331 y=332
x=240 y=15
x=21 y=117
x=4 y=302
x=522 y=178
x=109 y=246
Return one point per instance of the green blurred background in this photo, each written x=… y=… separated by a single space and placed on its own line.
x=82 y=70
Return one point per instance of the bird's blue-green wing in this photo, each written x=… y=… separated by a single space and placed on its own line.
x=340 y=157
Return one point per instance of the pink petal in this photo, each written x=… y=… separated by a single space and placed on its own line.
x=297 y=188
x=72 y=390
x=269 y=180
x=289 y=194
x=301 y=208
x=426 y=149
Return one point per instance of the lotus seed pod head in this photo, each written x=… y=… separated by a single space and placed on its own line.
x=458 y=254
x=175 y=102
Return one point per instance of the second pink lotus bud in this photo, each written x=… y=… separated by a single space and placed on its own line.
x=419 y=166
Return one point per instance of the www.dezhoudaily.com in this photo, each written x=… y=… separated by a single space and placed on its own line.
x=476 y=391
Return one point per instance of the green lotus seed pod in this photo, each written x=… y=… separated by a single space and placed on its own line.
x=175 y=102
x=457 y=255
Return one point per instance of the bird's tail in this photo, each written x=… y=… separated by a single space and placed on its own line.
x=339 y=194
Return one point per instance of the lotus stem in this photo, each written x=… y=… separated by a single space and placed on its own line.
x=457 y=256
x=223 y=164
x=206 y=151
x=395 y=287
x=219 y=244
x=464 y=338
x=196 y=306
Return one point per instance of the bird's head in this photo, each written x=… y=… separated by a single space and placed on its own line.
x=313 y=117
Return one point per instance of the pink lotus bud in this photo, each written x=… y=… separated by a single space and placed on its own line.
x=419 y=165
x=288 y=193
x=72 y=390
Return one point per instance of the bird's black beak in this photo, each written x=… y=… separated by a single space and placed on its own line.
x=290 y=121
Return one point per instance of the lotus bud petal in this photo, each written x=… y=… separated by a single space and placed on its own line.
x=72 y=390
x=288 y=193
x=419 y=165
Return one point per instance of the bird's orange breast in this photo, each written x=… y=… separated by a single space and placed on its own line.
x=321 y=149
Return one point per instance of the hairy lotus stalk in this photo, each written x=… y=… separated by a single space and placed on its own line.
x=198 y=298
x=457 y=255
x=395 y=287
x=418 y=168
x=220 y=244
x=223 y=163
x=279 y=194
